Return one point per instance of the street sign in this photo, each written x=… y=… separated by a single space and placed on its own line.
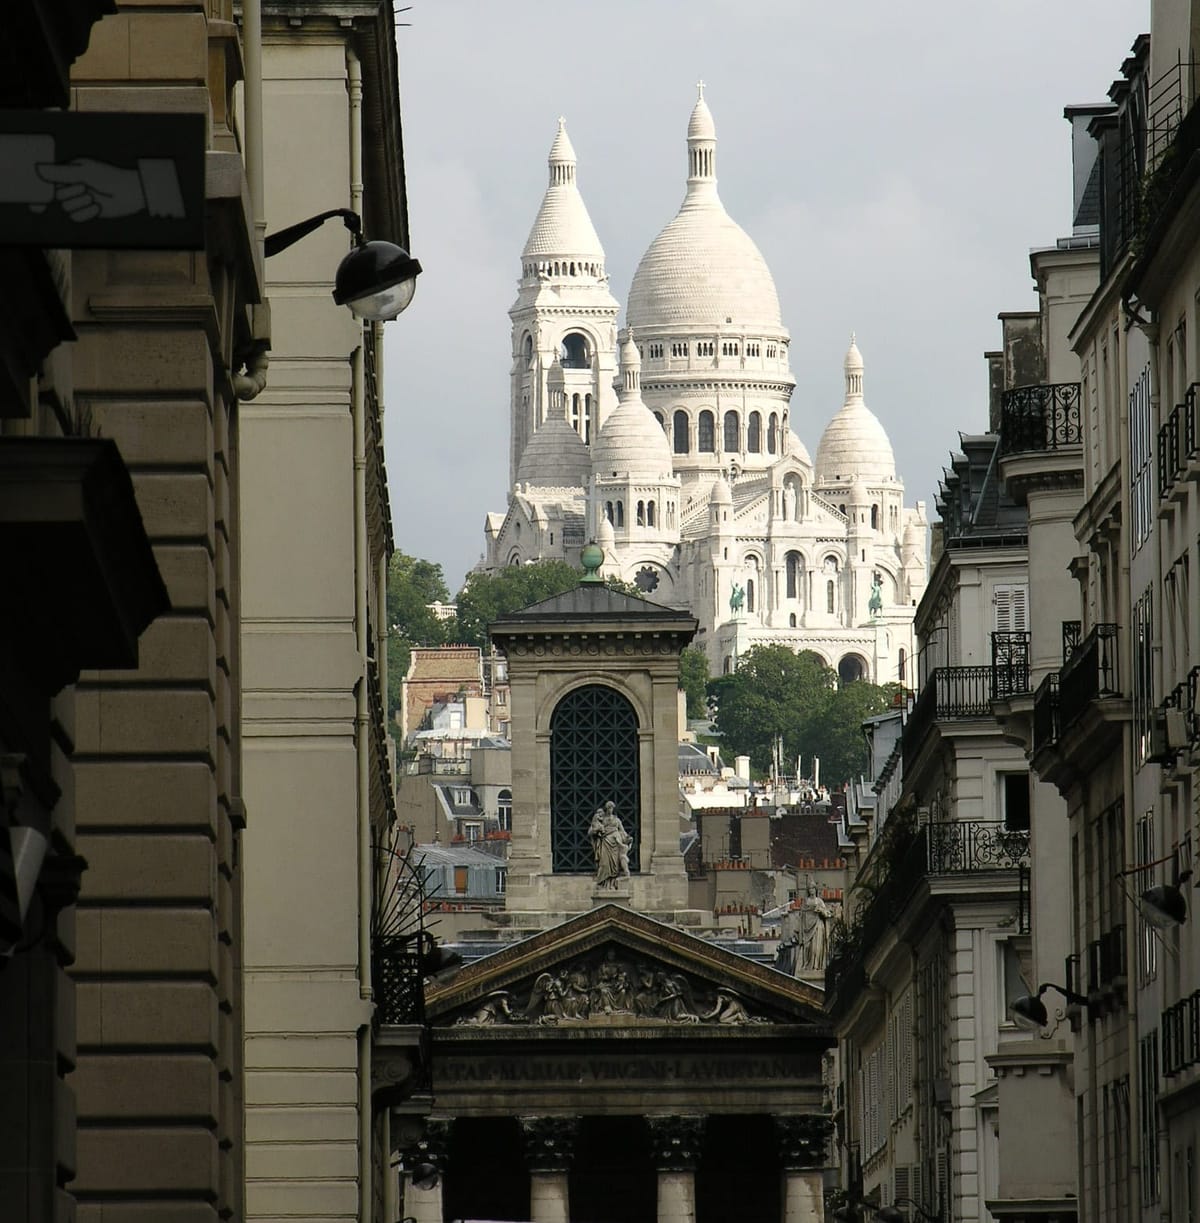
x=102 y=180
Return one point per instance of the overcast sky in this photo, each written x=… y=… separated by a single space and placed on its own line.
x=894 y=162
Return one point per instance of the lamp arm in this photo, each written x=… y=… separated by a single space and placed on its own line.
x=933 y=1218
x=283 y=238
x=1069 y=994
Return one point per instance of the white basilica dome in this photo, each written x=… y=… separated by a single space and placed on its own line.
x=703 y=270
x=855 y=445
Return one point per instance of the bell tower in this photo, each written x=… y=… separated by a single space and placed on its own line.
x=564 y=311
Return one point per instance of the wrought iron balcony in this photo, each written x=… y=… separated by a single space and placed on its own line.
x=1072 y=635
x=1181 y=1035
x=1010 y=665
x=1177 y=443
x=1091 y=673
x=1045 y=713
x=949 y=693
x=398 y=982
x=955 y=847
x=1039 y=418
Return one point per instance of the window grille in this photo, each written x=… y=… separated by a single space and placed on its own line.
x=593 y=760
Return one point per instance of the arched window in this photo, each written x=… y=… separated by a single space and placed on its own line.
x=641 y=513
x=773 y=434
x=587 y=420
x=608 y=510
x=681 y=432
x=504 y=810
x=620 y=513
x=903 y=664
x=795 y=570
x=829 y=598
x=649 y=513
x=731 y=433
x=575 y=421
x=527 y=348
x=874 y=518
x=574 y=354
x=594 y=753
x=754 y=433
x=706 y=441
x=749 y=594
x=792 y=620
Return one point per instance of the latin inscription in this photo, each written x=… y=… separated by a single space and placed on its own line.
x=582 y=1071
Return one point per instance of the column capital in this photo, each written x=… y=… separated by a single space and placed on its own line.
x=675 y=1140
x=433 y=1146
x=549 y=1142
x=803 y=1139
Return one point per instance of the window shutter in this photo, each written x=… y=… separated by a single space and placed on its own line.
x=1012 y=608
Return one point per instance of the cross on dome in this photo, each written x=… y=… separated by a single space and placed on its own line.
x=700 y=91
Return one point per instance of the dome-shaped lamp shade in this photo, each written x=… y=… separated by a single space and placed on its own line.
x=425 y=1176
x=376 y=280
x=1164 y=906
x=1029 y=1012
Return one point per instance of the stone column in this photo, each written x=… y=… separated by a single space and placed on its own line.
x=803 y=1142
x=549 y=1146
x=425 y=1205
x=675 y=1145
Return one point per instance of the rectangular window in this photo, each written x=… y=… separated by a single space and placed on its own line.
x=1148 y=1117
x=1144 y=851
x=1015 y=799
x=1011 y=602
x=460 y=880
x=501 y=879
x=1143 y=675
x=1141 y=460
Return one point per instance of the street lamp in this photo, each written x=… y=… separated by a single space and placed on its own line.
x=376 y=279
x=1029 y=1011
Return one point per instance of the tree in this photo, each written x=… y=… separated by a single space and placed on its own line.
x=777 y=693
x=488 y=596
x=837 y=737
x=693 y=679
x=774 y=692
x=412 y=584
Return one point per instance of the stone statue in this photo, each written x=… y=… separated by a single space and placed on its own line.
x=815 y=916
x=610 y=844
x=729 y=1008
x=737 y=596
x=875 y=603
x=789 y=503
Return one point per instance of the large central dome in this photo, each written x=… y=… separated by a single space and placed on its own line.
x=703 y=270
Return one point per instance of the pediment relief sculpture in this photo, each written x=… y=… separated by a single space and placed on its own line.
x=607 y=989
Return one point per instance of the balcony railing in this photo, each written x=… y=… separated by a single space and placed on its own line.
x=1038 y=418
x=1091 y=673
x=1045 y=713
x=1010 y=665
x=1170 y=99
x=398 y=983
x=1177 y=442
x=1181 y=1035
x=1072 y=635
x=949 y=693
x=958 y=846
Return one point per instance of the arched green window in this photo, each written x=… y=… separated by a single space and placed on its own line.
x=593 y=760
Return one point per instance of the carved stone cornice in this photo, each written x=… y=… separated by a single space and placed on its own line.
x=549 y=1142
x=675 y=1141
x=803 y=1139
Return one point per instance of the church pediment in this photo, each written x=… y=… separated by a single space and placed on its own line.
x=613 y=968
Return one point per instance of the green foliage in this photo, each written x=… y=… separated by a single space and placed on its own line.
x=487 y=596
x=693 y=679
x=776 y=692
x=412 y=584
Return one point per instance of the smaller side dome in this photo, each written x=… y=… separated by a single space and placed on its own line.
x=555 y=457
x=631 y=442
x=721 y=493
x=855 y=443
